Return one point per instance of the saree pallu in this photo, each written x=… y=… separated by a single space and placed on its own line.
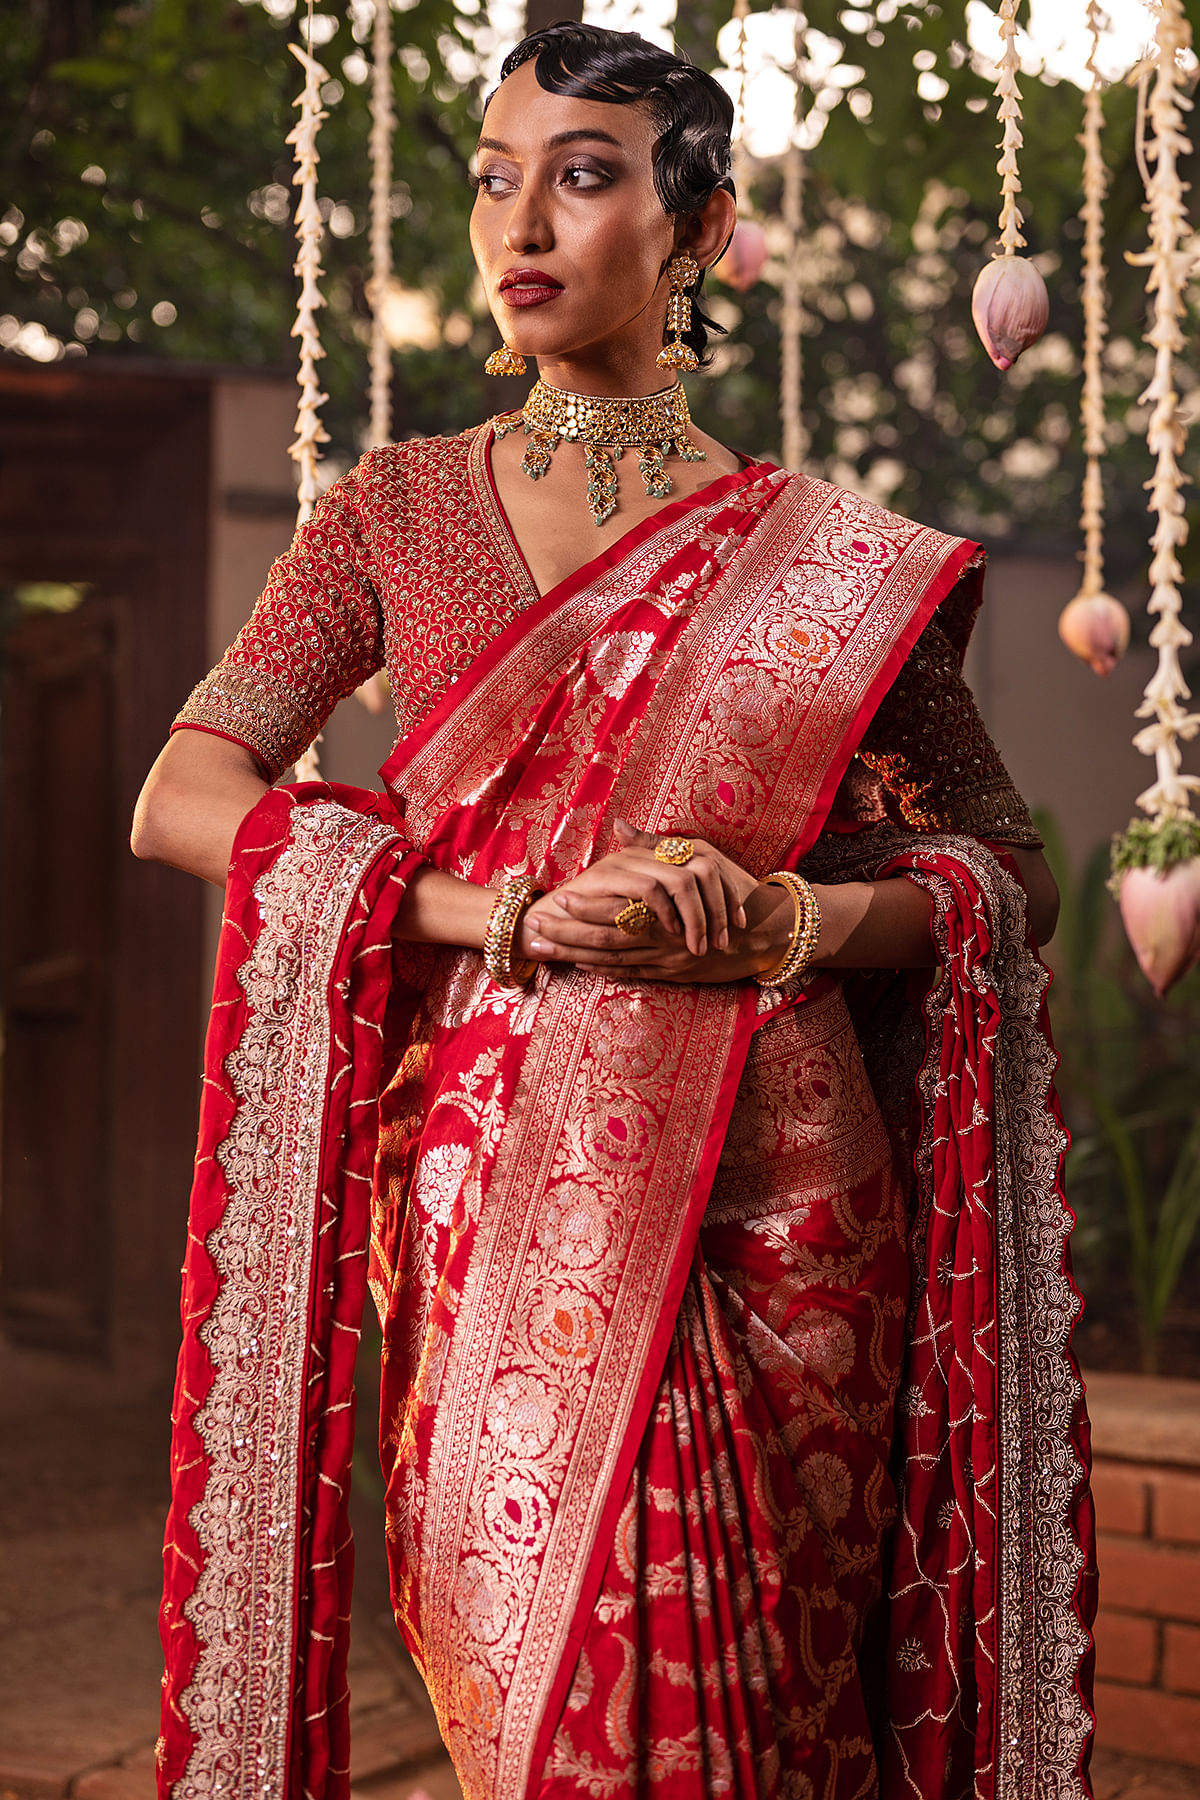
x=573 y=1260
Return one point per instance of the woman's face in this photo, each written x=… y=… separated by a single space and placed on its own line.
x=569 y=235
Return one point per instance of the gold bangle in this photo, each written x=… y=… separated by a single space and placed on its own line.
x=514 y=899
x=806 y=930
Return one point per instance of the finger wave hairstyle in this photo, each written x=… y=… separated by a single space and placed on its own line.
x=693 y=114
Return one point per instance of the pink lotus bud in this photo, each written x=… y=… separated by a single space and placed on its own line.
x=1162 y=921
x=742 y=263
x=1010 y=307
x=1095 y=628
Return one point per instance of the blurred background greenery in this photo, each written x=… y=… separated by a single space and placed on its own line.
x=148 y=206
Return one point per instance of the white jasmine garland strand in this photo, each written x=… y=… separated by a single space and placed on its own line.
x=309 y=232
x=1095 y=183
x=1169 y=264
x=1009 y=115
x=791 y=349
x=741 y=169
x=382 y=123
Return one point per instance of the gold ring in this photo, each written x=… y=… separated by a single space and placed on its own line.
x=674 y=850
x=634 y=918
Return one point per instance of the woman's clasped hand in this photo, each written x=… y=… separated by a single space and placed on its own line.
x=711 y=919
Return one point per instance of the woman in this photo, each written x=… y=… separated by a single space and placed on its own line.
x=654 y=1248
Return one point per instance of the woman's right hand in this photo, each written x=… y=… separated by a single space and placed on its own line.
x=698 y=907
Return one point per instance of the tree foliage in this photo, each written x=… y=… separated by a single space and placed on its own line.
x=147 y=170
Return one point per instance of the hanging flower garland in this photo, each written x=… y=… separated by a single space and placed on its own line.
x=1156 y=862
x=382 y=124
x=738 y=147
x=1009 y=304
x=373 y=692
x=746 y=253
x=791 y=349
x=1094 y=626
x=309 y=230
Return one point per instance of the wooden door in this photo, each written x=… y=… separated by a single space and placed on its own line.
x=55 y=969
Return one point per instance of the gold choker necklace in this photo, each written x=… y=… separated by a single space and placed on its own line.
x=652 y=424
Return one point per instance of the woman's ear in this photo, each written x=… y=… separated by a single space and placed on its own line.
x=706 y=233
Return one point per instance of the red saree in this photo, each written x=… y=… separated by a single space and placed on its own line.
x=639 y=1252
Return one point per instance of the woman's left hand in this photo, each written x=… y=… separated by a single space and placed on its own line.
x=713 y=922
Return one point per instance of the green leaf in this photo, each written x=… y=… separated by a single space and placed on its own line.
x=1150 y=844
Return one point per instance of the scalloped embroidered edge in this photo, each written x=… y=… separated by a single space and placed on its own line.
x=239 y=1700
x=1043 y=1722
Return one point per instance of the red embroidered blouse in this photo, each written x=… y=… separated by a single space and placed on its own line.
x=407 y=564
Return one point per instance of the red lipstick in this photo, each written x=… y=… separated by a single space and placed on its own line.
x=528 y=287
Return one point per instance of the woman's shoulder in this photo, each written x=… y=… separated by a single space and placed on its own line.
x=411 y=459
x=407 y=488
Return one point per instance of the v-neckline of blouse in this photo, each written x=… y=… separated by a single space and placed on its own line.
x=513 y=557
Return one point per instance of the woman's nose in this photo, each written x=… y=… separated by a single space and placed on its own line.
x=526 y=229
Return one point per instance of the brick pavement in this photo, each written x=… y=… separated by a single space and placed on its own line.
x=82 y=1496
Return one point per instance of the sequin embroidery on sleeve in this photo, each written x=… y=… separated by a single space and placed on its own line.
x=314 y=635
x=930 y=748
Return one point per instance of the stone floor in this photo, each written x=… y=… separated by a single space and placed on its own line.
x=82 y=1496
x=82 y=1499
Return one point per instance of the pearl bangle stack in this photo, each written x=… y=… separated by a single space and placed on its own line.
x=806 y=930
x=514 y=898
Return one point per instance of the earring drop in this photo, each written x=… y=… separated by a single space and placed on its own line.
x=504 y=362
x=682 y=272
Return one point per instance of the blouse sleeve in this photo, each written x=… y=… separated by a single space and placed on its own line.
x=315 y=634
x=928 y=746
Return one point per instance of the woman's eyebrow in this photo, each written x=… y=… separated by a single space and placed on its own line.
x=555 y=142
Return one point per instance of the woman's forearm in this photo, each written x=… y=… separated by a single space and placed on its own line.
x=874 y=925
x=201 y=788
x=438 y=908
x=886 y=924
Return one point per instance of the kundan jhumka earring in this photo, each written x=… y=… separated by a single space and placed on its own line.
x=683 y=271
x=652 y=424
x=504 y=362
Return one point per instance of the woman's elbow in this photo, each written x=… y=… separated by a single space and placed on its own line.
x=192 y=803
x=150 y=834
x=1041 y=893
x=1043 y=916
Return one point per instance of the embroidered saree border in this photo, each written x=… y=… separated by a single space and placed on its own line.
x=651 y=1208
x=243 y=1606
x=801 y=537
x=1040 y=1723
x=704 y=1088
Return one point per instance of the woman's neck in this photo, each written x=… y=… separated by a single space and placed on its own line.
x=610 y=377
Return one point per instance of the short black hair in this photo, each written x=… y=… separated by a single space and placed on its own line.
x=692 y=112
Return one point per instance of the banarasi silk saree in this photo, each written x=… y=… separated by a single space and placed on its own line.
x=732 y=1439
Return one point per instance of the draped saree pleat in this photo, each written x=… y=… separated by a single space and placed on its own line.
x=641 y=1253
x=762 y=1490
